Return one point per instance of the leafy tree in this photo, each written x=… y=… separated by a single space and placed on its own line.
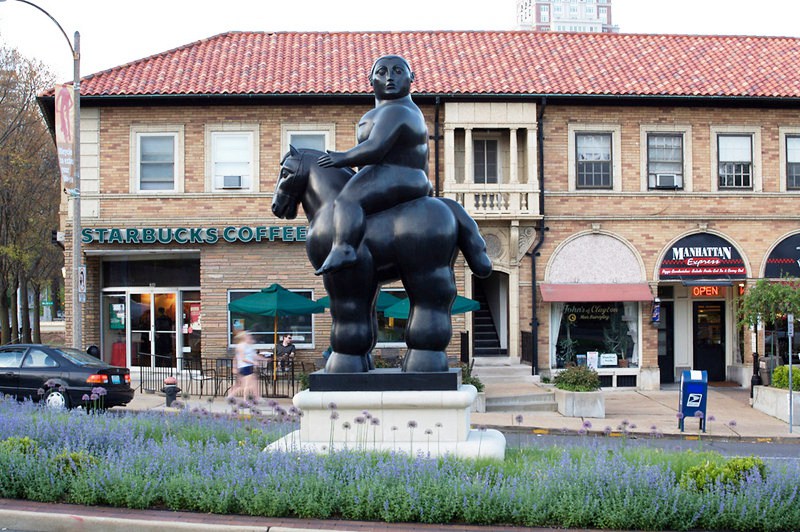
x=29 y=190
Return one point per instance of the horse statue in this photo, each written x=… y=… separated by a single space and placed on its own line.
x=416 y=242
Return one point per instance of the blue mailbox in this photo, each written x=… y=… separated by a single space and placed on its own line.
x=694 y=392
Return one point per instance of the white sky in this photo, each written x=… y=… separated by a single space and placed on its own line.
x=114 y=32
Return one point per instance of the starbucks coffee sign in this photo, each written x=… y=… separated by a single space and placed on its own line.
x=193 y=235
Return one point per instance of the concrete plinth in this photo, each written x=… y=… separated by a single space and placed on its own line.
x=431 y=423
x=581 y=404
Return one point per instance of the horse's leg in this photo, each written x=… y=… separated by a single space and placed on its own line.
x=351 y=292
x=429 y=328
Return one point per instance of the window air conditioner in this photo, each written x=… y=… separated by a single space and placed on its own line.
x=669 y=181
x=232 y=181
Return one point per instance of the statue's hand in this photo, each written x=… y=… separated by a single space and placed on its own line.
x=330 y=159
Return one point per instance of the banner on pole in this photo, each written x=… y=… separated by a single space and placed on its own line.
x=65 y=136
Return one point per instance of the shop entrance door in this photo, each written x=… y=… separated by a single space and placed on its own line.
x=153 y=338
x=666 y=344
x=709 y=338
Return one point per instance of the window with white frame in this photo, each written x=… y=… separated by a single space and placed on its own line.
x=486 y=161
x=309 y=136
x=232 y=161
x=792 y=162
x=665 y=160
x=263 y=328
x=593 y=159
x=391 y=331
x=156 y=164
x=735 y=161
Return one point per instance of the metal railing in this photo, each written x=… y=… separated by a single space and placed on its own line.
x=211 y=377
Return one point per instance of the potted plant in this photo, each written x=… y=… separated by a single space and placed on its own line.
x=468 y=378
x=578 y=393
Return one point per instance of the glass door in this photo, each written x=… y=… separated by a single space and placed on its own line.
x=153 y=329
x=114 y=329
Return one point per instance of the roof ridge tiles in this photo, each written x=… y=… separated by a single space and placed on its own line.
x=488 y=62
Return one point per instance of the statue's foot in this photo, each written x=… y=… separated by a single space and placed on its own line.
x=342 y=363
x=341 y=256
x=424 y=361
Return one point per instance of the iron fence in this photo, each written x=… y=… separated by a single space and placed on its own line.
x=213 y=377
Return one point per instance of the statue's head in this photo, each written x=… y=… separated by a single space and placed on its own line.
x=402 y=76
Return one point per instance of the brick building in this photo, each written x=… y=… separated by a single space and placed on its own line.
x=629 y=188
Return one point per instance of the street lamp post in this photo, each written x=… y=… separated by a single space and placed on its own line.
x=75 y=194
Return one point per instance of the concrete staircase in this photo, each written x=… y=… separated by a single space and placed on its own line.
x=510 y=387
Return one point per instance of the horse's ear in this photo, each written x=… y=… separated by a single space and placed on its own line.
x=293 y=151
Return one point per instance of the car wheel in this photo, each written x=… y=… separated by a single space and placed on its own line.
x=56 y=399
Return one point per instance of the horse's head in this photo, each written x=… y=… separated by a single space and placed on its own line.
x=291 y=185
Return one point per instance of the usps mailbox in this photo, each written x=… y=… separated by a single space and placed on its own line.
x=694 y=391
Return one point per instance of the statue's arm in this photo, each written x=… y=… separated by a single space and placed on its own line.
x=386 y=129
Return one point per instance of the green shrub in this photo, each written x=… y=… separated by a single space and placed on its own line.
x=14 y=444
x=468 y=378
x=303 y=381
x=74 y=462
x=578 y=379
x=732 y=473
x=780 y=378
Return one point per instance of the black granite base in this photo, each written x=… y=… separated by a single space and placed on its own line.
x=384 y=380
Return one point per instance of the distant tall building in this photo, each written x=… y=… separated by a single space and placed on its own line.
x=565 y=15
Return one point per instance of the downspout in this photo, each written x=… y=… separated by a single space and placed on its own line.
x=436 y=147
x=535 y=251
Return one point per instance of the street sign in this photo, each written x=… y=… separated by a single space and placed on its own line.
x=790 y=321
x=47 y=303
x=82 y=280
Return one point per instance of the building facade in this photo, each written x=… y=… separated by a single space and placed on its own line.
x=626 y=203
x=565 y=15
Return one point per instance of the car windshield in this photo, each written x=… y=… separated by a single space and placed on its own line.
x=77 y=357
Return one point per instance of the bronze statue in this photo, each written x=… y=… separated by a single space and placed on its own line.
x=379 y=225
x=392 y=154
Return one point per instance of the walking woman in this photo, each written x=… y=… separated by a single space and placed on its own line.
x=245 y=367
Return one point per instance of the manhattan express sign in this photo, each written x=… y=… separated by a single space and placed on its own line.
x=193 y=235
x=702 y=256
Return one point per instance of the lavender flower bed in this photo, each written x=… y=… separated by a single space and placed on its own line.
x=198 y=462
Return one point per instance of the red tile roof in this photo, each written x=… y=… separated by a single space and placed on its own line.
x=448 y=62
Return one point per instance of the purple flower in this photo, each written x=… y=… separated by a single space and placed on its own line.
x=334 y=415
x=518 y=419
x=679 y=415
x=375 y=421
x=428 y=431
x=732 y=423
x=40 y=391
x=84 y=397
x=94 y=397
x=699 y=414
x=360 y=420
x=366 y=414
x=633 y=426
x=231 y=400
x=346 y=425
x=587 y=424
x=711 y=418
x=412 y=424
x=607 y=430
x=332 y=405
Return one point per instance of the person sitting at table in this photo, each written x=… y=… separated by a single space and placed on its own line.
x=244 y=366
x=285 y=351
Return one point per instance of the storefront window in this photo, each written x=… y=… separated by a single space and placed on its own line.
x=602 y=328
x=391 y=331
x=776 y=342
x=263 y=327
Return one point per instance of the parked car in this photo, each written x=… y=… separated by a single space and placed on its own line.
x=61 y=376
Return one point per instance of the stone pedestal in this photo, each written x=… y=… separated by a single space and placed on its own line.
x=418 y=422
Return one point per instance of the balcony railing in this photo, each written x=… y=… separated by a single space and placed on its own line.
x=495 y=201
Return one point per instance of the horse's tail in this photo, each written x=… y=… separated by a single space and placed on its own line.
x=470 y=241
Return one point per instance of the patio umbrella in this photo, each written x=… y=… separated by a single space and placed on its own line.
x=460 y=306
x=385 y=300
x=275 y=301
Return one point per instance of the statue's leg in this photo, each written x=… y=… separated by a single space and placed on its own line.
x=352 y=336
x=429 y=328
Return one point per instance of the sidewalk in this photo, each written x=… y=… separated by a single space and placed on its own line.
x=641 y=413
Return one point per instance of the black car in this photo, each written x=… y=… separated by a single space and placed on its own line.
x=63 y=377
